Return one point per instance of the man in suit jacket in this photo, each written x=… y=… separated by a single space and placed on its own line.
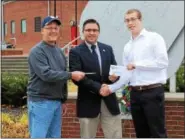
x=95 y=57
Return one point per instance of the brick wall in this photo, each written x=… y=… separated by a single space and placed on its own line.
x=29 y=10
x=175 y=119
x=174 y=122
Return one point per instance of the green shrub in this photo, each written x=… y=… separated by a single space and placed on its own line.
x=166 y=86
x=180 y=81
x=14 y=88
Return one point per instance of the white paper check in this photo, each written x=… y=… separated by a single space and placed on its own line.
x=116 y=70
x=125 y=76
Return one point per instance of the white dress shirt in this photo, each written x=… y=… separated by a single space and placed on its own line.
x=149 y=55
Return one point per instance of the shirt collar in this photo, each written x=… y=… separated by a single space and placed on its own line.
x=89 y=45
x=142 y=33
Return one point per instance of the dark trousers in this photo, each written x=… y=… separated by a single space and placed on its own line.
x=147 y=109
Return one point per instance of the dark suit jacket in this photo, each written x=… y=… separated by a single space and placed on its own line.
x=89 y=99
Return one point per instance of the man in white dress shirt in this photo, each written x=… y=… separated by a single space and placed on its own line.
x=145 y=56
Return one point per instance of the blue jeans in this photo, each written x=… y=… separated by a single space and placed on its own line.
x=45 y=119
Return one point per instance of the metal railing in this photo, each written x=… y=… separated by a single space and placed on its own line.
x=67 y=48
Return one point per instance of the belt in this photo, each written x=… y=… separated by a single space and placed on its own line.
x=145 y=87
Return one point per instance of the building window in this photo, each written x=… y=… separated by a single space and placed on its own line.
x=37 y=24
x=23 y=26
x=13 y=27
x=5 y=29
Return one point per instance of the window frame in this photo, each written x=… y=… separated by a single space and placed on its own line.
x=12 y=31
x=37 y=22
x=5 y=27
x=22 y=26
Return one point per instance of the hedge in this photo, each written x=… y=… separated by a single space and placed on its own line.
x=13 y=87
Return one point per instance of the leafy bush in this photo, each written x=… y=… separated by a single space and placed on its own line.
x=166 y=86
x=180 y=81
x=14 y=88
x=14 y=126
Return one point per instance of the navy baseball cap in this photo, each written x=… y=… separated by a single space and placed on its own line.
x=50 y=19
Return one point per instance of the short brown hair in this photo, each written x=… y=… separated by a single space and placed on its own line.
x=91 y=21
x=134 y=11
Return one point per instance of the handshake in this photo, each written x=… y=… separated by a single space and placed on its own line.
x=105 y=90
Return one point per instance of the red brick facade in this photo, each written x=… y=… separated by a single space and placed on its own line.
x=174 y=122
x=29 y=10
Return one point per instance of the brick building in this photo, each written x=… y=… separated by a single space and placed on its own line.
x=22 y=20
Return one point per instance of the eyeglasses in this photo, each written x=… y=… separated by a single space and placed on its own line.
x=131 y=19
x=51 y=28
x=93 y=30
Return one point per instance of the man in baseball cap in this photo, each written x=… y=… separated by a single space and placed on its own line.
x=47 y=20
x=50 y=29
x=47 y=87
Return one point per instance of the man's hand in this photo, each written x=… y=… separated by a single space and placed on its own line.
x=113 y=78
x=64 y=109
x=131 y=66
x=77 y=75
x=105 y=91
